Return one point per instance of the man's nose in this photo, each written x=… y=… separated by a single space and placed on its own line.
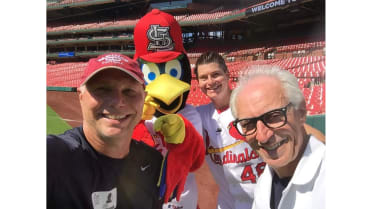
x=210 y=80
x=263 y=133
x=118 y=99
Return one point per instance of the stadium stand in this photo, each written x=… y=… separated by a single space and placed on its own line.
x=289 y=35
x=203 y=18
x=60 y=4
x=308 y=70
x=65 y=75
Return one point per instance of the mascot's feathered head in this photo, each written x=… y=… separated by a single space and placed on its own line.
x=163 y=61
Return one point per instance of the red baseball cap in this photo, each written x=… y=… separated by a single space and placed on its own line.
x=110 y=61
x=158 y=37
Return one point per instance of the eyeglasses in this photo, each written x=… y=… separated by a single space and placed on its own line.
x=272 y=119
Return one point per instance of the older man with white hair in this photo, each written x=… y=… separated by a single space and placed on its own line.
x=270 y=112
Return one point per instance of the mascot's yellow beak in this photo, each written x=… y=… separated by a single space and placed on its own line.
x=166 y=89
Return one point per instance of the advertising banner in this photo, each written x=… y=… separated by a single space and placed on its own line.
x=269 y=5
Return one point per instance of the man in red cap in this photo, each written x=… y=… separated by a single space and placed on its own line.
x=98 y=165
x=167 y=74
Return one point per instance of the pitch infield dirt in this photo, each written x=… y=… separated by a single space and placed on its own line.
x=67 y=106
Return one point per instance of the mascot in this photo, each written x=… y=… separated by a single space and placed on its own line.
x=166 y=68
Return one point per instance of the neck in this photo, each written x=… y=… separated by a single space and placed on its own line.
x=114 y=147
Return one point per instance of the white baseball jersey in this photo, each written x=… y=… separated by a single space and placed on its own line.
x=233 y=163
x=189 y=196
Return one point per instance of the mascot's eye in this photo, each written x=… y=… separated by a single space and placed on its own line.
x=174 y=68
x=150 y=71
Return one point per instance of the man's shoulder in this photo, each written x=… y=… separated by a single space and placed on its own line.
x=314 y=151
x=69 y=140
x=64 y=151
x=190 y=112
x=205 y=109
x=316 y=143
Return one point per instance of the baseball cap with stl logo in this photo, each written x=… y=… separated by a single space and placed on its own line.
x=158 y=37
x=112 y=61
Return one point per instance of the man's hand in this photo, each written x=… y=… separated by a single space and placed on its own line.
x=172 y=127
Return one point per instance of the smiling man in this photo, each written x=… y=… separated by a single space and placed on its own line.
x=98 y=165
x=236 y=178
x=270 y=113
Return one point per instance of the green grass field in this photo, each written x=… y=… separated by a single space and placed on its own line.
x=55 y=125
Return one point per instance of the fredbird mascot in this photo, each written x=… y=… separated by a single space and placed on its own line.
x=169 y=124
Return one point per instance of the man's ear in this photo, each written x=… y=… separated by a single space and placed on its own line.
x=80 y=90
x=198 y=83
x=302 y=112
